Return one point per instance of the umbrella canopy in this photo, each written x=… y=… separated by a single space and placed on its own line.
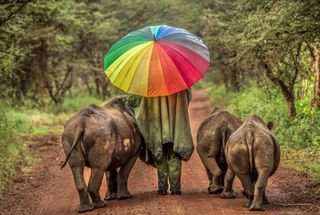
x=156 y=61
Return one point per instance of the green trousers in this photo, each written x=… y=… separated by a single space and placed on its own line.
x=169 y=167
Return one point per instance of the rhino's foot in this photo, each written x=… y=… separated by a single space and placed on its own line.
x=256 y=208
x=124 y=195
x=228 y=195
x=85 y=207
x=215 y=190
x=257 y=205
x=110 y=196
x=100 y=204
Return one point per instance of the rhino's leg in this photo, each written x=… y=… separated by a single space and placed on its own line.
x=111 y=177
x=94 y=186
x=248 y=187
x=210 y=178
x=85 y=204
x=224 y=168
x=213 y=170
x=228 y=182
x=257 y=203
x=122 y=179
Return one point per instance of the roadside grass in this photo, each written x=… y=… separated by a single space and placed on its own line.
x=299 y=137
x=13 y=152
x=304 y=160
x=49 y=120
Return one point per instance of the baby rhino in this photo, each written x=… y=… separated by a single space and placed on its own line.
x=253 y=154
x=105 y=139
x=212 y=137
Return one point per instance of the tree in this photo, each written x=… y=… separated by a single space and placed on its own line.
x=315 y=102
x=265 y=35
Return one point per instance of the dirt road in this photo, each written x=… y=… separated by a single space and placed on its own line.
x=51 y=191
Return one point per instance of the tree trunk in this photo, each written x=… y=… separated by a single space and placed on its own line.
x=300 y=92
x=42 y=69
x=86 y=82
x=287 y=91
x=291 y=106
x=235 y=85
x=97 y=83
x=315 y=102
x=61 y=89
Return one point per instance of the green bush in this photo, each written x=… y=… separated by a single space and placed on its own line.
x=12 y=151
x=74 y=103
x=302 y=131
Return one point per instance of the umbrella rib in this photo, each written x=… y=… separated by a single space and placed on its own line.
x=169 y=58
x=163 y=72
x=156 y=52
x=130 y=60
x=204 y=54
x=142 y=52
x=123 y=62
x=142 y=58
x=178 y=53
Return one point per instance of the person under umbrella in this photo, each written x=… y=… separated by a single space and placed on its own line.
x=164 y=124
x=157 y=65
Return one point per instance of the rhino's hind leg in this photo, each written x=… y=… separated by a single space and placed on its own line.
x=213 y=172
x=210 y=178
x=214 y=183
x=94 y=187
x=228 y=182
x=216 y=186
x=257 y=203
x=85 y=204
x=122 y=179
x=248 y=188
x=111 y=177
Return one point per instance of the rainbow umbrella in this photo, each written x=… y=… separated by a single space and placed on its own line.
x=156 y=61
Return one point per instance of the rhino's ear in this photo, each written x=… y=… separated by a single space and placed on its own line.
x=270 y=125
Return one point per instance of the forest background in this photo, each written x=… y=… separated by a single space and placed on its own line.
x=264 y=61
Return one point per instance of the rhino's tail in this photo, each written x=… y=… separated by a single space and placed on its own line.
x=249 y=139
x=224 y=129
x=77 y=137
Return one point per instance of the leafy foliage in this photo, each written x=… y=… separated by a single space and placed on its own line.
x=12 y=151
x=301 y=132
x=263 y=39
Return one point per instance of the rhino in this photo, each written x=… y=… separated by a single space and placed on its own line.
x=212 y=136
x=253 y=155
x=103 y=139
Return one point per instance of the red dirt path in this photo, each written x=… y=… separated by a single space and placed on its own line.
x=49 y=190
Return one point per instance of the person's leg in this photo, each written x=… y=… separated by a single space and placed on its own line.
x=162 y=169
x=174 y=165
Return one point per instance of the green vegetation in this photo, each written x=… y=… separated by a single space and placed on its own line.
x=299 y=137
x=13 y=151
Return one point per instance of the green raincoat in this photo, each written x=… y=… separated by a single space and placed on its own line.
x=164 y=119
